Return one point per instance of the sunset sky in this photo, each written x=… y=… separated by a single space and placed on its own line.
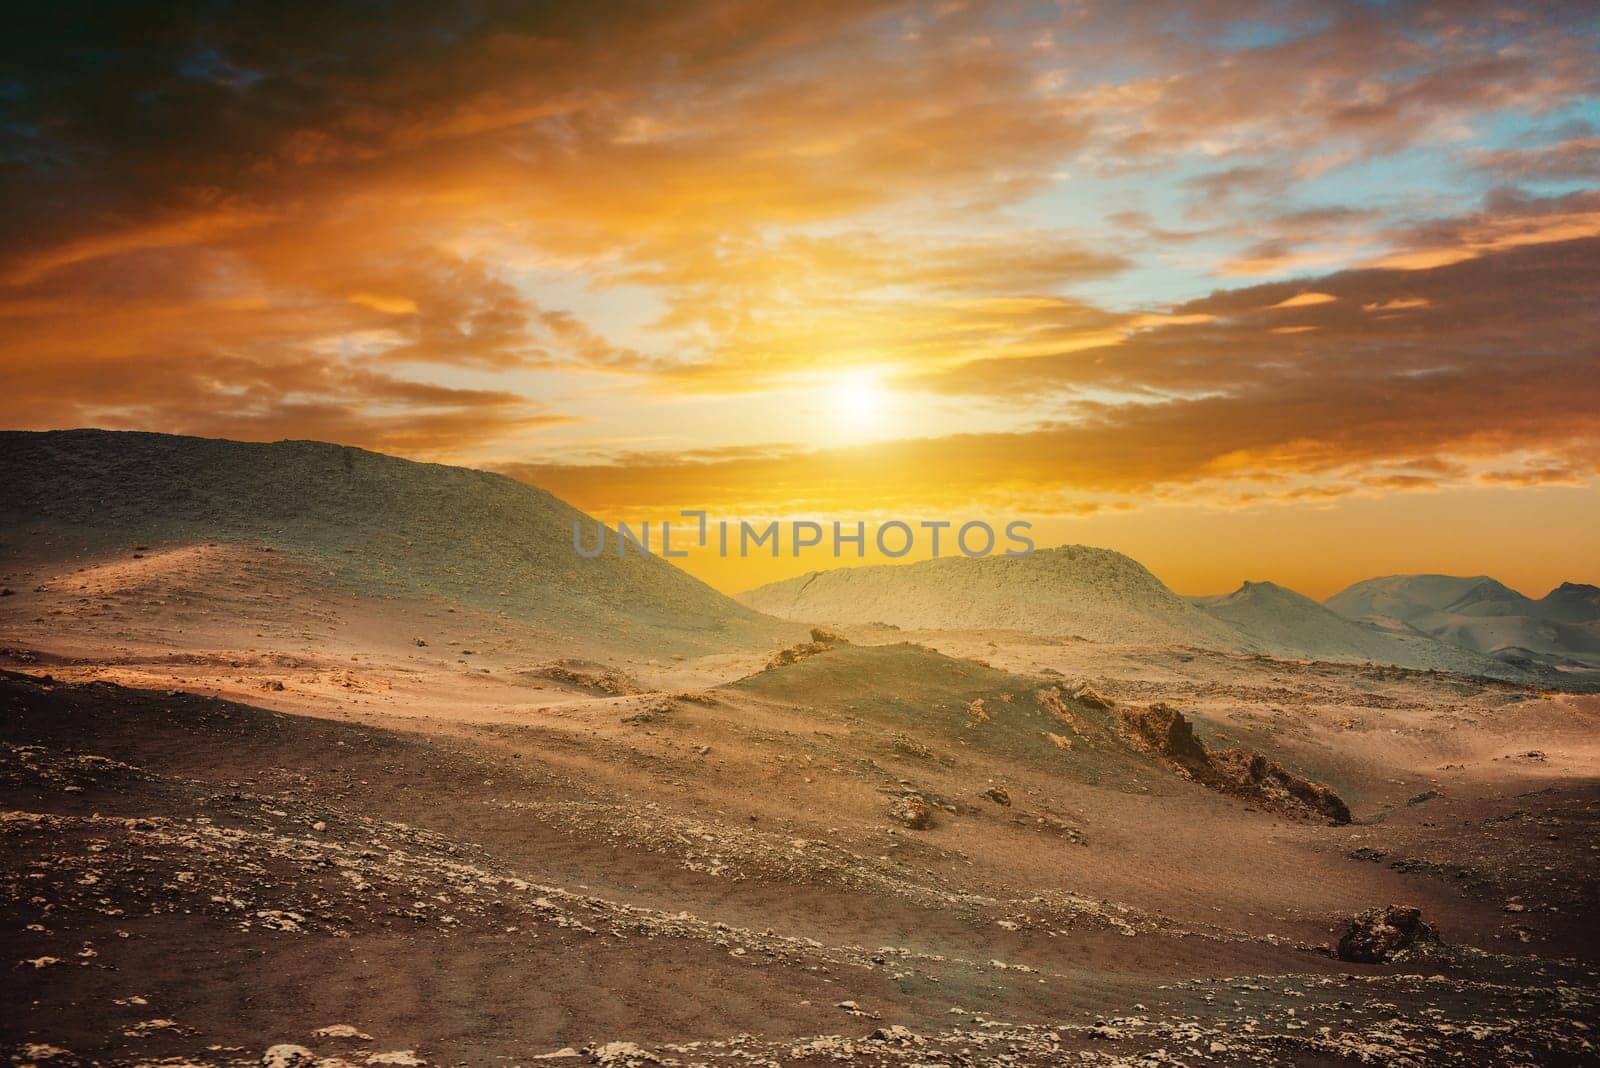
x=1300 y=291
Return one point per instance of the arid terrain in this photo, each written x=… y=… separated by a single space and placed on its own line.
x=293 y=773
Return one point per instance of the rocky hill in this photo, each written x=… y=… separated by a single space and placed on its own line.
x=376 y=524
x=1074 y=591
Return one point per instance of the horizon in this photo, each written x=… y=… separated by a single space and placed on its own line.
x=1300 y=290
x=709 y=567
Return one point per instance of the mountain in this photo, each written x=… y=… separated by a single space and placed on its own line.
x=1289 y=624
x=1069 y=591
x=1571 y=602
x=383 y=525
x=1481 y=614
x=1406 y=598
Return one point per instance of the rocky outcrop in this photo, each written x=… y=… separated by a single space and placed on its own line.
x=1163 y=732
x=586 y=675
x=821 y=641
x=1377 y=934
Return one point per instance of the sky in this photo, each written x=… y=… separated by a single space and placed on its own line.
x=1296 y=291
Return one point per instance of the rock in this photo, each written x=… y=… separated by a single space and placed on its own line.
x=341 y=1031
x=286 y=1055
x=622 y=1055
x=1084 y=694
x=796 y=653
x=897 y=1034
x=999 y=795
x=1426 y=795
x=420 y=644
x=1164 y=732
x=912 y=810
x=405 y=1058
x=1374 y=935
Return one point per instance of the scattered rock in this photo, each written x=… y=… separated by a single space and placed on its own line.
x=286 y=1055
x=896 y=1034
x=622 y=1055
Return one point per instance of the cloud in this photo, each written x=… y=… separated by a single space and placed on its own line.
x=1577 y=157
x=414 y=232
x=1305 y=300
x=1492 y=357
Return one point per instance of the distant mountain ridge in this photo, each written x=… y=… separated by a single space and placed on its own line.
x=1101 y=595
x=393 y=526
x=1481 y=614
x=1289 y=624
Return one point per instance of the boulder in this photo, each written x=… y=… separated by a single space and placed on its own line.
x=912 y=810
x=1376 y=934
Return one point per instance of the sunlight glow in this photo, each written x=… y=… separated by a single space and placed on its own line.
x=860 y=399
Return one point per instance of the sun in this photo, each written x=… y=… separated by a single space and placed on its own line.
x=859 y=400
x=853 y=406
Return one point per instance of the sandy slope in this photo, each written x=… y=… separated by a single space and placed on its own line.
x=1075 y=591
x=487 y=862
x=372 y=523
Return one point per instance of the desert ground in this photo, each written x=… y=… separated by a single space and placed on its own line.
x=260 y=809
